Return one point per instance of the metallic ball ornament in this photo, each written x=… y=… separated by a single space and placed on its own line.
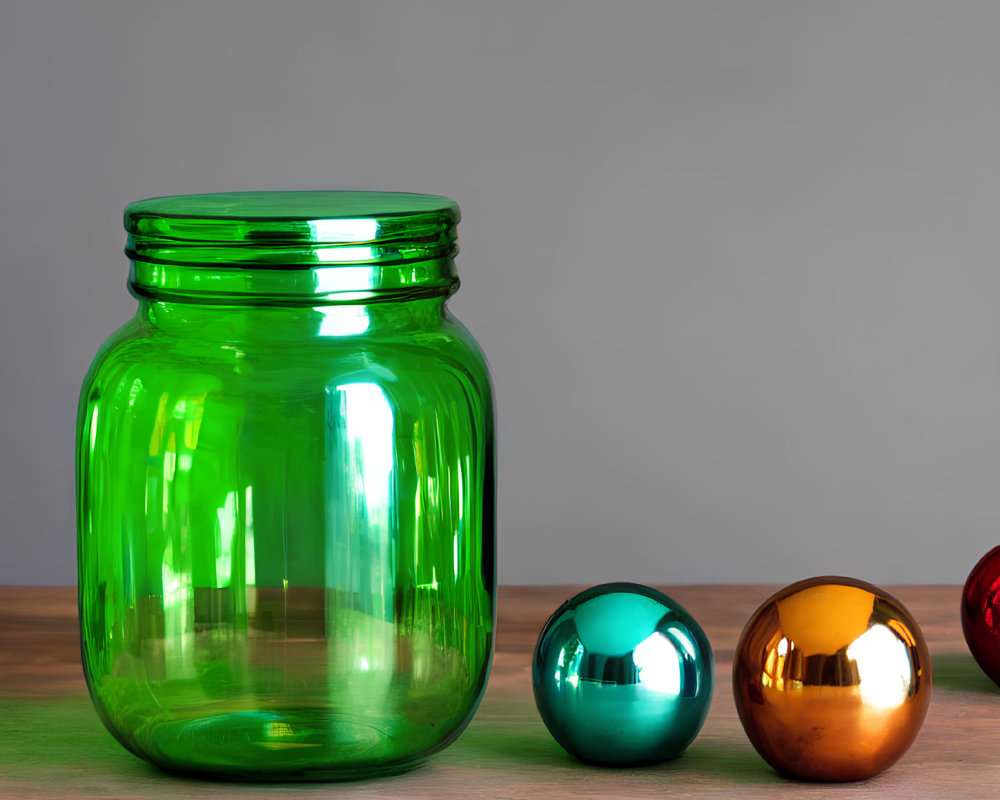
x=622 y=675
x=832 y=679
x=981 y=613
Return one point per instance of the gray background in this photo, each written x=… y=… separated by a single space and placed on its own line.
x=735 y=265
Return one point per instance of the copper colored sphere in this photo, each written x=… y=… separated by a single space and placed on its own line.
x=832 y=679
x=981 y=613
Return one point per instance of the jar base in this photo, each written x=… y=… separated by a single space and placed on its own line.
x=287 y=744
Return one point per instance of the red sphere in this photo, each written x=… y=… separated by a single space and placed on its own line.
x=981 y=613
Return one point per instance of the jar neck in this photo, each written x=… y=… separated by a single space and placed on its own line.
x=241 y=284
x=288 y=323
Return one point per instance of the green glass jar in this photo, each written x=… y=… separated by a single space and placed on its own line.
x=285 y=489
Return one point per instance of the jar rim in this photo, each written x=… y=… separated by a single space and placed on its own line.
x=298 y=205
x=390 y=240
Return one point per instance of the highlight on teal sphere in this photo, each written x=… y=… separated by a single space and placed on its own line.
x=623 y=675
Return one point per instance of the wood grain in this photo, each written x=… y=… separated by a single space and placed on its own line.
x=53 y=745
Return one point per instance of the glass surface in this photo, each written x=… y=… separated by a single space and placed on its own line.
x=286 y=500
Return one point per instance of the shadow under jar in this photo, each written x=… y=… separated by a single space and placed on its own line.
x=285 y=489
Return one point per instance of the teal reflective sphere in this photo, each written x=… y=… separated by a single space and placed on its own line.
x=623 y=675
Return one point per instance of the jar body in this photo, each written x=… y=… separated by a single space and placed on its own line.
x=287 y=536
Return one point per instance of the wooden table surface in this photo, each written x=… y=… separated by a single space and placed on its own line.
x=53 y=745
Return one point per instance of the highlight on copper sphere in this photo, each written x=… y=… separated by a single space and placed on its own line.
x=832 y=679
